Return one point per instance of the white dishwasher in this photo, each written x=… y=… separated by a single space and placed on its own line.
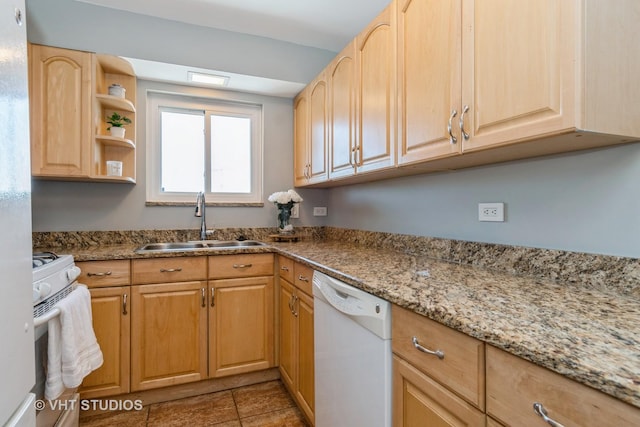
x=352 y=356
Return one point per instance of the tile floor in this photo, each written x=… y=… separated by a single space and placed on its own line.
x=261 y=405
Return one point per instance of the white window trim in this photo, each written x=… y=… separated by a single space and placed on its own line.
x=158 y=100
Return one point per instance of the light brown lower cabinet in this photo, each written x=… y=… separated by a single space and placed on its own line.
x=168 y=334
x=112 y=326
x=297 y=336
x=241 y=325
x=421 y=401
x=514 y=385
x=109 y=284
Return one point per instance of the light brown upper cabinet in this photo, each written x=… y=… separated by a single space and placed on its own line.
x=376 y=97
x=69 y=105
x=342 y=113
x=523 y=79
x=310 y=133
x=60 y=111
x=429 y=85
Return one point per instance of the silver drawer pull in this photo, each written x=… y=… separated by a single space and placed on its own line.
x=107 y=273
x=303 y=278
x=539 y=409
x=170 y=270
x=284 y=268
x=242 y=265
x=438 y=353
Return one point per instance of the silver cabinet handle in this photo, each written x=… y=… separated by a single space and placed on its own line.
x=539 y=409
x=170 y=270
x=213 y=296
x=293 y=311
x=204 y=297
x=291 y=304
x=302 y=278
x=106 y=273
x=452 y=139
x=242 y=265
x=284 y=268
x=438 y=353
x=124 y=304
x=465 y=135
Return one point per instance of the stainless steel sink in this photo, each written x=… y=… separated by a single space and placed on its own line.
x=171 y=246
x=231 y=243
x=198 y=245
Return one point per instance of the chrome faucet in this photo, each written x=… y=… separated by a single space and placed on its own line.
x=201 y=212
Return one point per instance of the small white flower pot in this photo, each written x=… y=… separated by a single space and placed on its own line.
x=118 y=132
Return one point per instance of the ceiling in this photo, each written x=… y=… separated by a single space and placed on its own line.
x=324 y=24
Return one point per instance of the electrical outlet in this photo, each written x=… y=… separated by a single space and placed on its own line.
x=295 y=211
x=491 y=212
x=319 y=211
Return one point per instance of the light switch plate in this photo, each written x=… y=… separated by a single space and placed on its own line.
x=295 y=211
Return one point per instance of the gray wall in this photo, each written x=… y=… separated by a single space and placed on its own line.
x=75 y=206
x=584 y=202
x=82 y=26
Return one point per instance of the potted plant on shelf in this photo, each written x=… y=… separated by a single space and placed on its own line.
x=116 y=122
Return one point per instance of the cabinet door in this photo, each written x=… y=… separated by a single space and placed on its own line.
x=376 y=95
x=342 y=113
x=111 y=324
x=318 y=132
x=288 y=332
x=301 y=138
x=519 y=70
x=241 y=325
x=169 y=334
x=420 y=401
x=61 y=111
x=429 y=86
x=305 y=391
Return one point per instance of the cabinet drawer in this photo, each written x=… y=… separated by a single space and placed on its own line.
x=303 y=278
x=166 y=270
x=462 y=367
x=285 y=268
x=514 y=385
x=99 y=274
x=240 y=265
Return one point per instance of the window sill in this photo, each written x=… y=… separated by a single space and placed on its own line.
x=214 y=204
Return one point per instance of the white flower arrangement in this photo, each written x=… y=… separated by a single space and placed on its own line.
x=285 y=197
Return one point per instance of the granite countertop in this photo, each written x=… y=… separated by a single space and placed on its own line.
x=589 y=335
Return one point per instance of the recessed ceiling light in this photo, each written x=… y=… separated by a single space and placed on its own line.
x=210 y=79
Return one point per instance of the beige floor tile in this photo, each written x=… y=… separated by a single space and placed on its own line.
x=261 y=398
x=212 y=409
x=123 y=418
x=289 y=417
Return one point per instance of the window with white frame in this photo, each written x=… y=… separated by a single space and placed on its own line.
x=202 y=144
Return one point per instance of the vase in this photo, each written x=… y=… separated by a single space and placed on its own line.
x=118 y=132
x=284 y=218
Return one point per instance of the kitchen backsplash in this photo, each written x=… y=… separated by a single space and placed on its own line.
x=609 y=273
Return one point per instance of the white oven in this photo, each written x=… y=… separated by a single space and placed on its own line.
x=54 y=278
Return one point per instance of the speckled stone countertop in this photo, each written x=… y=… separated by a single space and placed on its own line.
x=586 y=332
